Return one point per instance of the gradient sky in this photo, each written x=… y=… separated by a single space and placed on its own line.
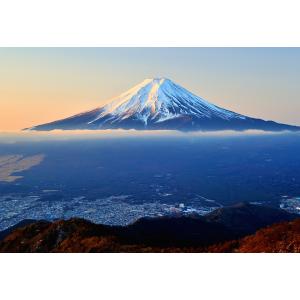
x=39 y=85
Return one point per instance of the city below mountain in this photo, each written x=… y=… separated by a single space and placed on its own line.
x=238 y=228
x=160 y=104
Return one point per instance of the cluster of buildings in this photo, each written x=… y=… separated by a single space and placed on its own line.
x=113 y=210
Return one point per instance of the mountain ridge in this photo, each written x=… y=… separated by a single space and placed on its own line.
x=161 y=104
x=174 y=233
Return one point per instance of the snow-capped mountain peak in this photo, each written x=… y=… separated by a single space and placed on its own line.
x=160 y=99
x=160 y=103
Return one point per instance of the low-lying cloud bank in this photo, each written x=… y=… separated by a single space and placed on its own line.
x=11 y=137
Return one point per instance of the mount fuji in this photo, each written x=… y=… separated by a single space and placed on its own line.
x=161 y=104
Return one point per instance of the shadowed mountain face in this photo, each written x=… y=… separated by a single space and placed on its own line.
x=163 y=234
x=160 y=104
x=23 y=223
x=245 y=218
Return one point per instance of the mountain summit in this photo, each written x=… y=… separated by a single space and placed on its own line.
x=158 y=104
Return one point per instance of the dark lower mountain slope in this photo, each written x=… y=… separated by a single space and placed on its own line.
x=181 y=123
x=176 y=231
x=245 y=218
x=163 y=234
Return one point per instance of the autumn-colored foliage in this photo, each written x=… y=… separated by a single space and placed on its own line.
x=78 y=235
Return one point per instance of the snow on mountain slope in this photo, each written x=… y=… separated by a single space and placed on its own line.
x=160 y=99
x=159 y=103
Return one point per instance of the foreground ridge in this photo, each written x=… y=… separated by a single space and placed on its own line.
x=230 y=229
